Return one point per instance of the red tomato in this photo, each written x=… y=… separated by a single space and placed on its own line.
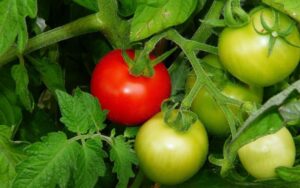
x=130 y=99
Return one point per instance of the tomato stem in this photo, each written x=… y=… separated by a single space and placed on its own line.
x=202 y=79
x=138 y=179
x=205 y=29
x=105 y=21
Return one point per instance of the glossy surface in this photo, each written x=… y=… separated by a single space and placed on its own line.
x=262 y=156
x=130 y=100
x=168 y=156
x=244 y=52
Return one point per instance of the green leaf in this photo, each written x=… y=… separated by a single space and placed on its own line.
x=7 y=114
x=10 y=112
x=8 y=85
x=131 y=132
x=10 y=155
x=13 y=23
x=291 y=112
x=96 y=116
x=20 y=75
x=126 y=7
x=89 y=4
x=49 y=163
x=123 y=157
x=290 y=7
x=90 y=164
x=179 y=74
x=80 y=113
x=36 y=125
x=51 y=73
x=156 y=15
x=290 y=174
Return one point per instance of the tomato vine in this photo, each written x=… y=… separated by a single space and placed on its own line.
x=59 y=135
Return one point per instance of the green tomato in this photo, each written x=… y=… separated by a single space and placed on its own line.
x=261 y=157
x=244 y=52
x=168 y=156
x=209 y=112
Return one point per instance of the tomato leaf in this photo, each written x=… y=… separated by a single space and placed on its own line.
x=290 y=7
x=36 y=125
x=154 y=16
x=89 y=4
x=90 y=164
x=49 y=162
x=126 y=7
x=20 y=75
x=10 y=155
x=289 y=174
x=179 y=74
x=51 y=73
x=10 y=112
x=13 y=23
x=291 y=112
x=8 y=115
x=80 y=113
x=123 y=157
x=130 y=132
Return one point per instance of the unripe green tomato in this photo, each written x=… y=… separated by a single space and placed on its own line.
x=168 y=156
x=210 y=113
x=261 y=157
x=246 y=54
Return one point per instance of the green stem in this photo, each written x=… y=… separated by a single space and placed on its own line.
x=205 y=30
x=138 y=180
x=106 y=21
x=202 y=79
x=84 y=25
x=105 y=138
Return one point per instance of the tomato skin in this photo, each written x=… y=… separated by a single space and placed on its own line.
x=167 y=156
x=262 y=156
x=209 y=112
x=244 y=52
x=130 y=100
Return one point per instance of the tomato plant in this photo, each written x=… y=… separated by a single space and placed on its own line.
x=258 y=55
x=209 y=111
x=74 y=72
x=262 y=156
x=168 y=156
x=129 y=99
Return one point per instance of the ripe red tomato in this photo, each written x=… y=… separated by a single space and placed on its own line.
x=130 y=99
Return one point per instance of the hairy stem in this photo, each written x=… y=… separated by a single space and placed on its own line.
x=205 y=30
x=202 y=79
x=106 y=21
x=84 y=25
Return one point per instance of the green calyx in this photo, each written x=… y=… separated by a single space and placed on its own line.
x=179 y=119
x=234 y=15
x=275 y=30
x=142 y=64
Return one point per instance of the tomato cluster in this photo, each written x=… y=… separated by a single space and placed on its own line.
x=263 y=53
x=252 y=57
